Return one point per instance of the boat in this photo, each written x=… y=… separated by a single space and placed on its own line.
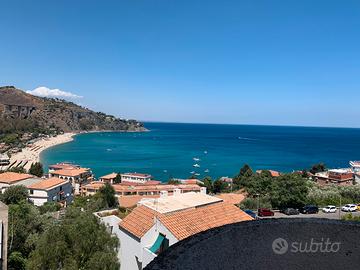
x=197 y=174
x=205 y=152
x=192 y=172
x=196 y=165
x=196 y=159
x=207 y=170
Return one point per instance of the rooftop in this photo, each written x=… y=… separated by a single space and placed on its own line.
x=48 y=183
x=12 y=177
x=129 y=201
x=137 y=174
x=109 y=176
x=71 y=172
x=179 y=202
x=340 y=171
x=233 y=198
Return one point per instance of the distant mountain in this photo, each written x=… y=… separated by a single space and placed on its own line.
x=24 y=112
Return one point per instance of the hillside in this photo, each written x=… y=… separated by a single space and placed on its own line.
x=22 y=112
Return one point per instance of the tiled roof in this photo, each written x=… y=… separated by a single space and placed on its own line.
x=48 y=183
x=109 y=176
x=273 y=173
x=12 y=177
x=233 y=198
x=139 y=221
x=71 y=172
x=185 y=223
x=129 y=201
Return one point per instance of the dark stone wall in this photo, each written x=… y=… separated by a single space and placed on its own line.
x=268 y=244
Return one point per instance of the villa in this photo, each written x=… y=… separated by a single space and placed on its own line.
x=62 y=166
x=135 y=177
x=76 y=176
x=51 y=190
x=156 y=224
x=109 y=178
x=341 y=177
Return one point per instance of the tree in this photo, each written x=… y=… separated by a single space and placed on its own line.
x=218 y=186
x=107 y=193
x=117 y=179
x=14 y=194
x=244 y=174
x=208 y=184
x=172 y=181
x=79 y=241
x=289 y=190
x=37 y=169
x=320 y=167
x=49 y=207
x=16 y=261
x=246 y=171
x=17 y=169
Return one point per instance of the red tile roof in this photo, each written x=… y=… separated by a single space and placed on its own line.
x=12 y=177
x=129 y=201
x=48 y=183
x=71 y=172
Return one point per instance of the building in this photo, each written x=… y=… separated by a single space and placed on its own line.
x=109 y=178
x=62 y=166
x=355 y=167
x=125 y=189
x=341 y=177
x=4 y=218
x=8 y=179
x=77 y=177
x=135 y=177
x=156 y=224
x=51 y=190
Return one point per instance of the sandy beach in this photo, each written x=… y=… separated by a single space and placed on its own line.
x=31 y=154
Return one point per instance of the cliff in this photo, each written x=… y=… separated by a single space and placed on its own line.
x=24 y=112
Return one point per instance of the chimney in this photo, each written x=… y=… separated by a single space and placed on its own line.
x=163 y=194
x=203 y=190
x=177 y=191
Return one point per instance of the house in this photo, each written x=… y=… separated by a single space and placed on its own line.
x=76 y=176
x=109 y=178
x=156 y=224
x=8 y=179
x=126 y=189
x=51 y=190
x=135 y=177
x=341 y=177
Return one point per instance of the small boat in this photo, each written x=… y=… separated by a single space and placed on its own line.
x=196 y=165
x=207 y=170
x=192 y=172
x=165 y=171
x=205 y=152
x=196 y=159
x=197 y=174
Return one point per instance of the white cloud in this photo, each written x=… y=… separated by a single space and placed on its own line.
x=52 y=93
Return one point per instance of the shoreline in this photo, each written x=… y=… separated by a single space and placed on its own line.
x=30 y=155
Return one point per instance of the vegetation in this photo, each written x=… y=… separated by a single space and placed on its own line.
x=78 y=242
x=173 y=182
x=117 y=179
x=350 y=217
x=36 y=169
x=320 y=167
x=107 y=194
x=14 y=194
x=19 y=169
x=49 y=207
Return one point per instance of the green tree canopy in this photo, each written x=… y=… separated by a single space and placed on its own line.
x=320 y=167
x=17 y=169
x=117 y=179
x=37 y=169
x=14 y=194
x=107 y=193
x=79 y=241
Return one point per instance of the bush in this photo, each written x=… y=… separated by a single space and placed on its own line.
x=49 y=207
x=37 y=169
x=14 y=195
x=323 y=196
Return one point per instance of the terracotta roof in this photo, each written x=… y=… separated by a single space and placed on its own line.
x=232 y=198
x=273 y=173
x=48 y=183
x=109 y=176
x=71 y=172
x=12 y=177
x=139 y=221
x=183 y=224
x=189 y=222
x=67 y=166
x=129 y=201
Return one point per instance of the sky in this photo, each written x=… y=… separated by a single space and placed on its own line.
x=201 y=61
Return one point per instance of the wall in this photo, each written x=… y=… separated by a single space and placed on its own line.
x=4 y=219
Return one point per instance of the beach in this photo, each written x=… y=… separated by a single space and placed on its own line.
x=31 y=154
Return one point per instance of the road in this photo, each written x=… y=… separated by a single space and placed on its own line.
x=319 y=215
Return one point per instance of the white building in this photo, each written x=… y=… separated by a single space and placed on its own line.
x=76 y=176
x=156 y=224
x=51 y=190
x=135 y=177
x=8 y=179
x=355 y=167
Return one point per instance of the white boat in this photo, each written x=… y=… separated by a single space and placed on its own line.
x=205 y=152
x=192 y=172
x=196 y=165
x=207 y=170
x=197 y=174
x=196 y=159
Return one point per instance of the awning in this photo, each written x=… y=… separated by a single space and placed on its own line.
x=156 y=246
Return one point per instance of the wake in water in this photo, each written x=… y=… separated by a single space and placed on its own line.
x=247 y=139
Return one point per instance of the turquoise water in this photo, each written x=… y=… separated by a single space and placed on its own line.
x=168 y=149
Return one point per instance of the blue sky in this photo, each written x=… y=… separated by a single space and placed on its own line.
x=248 y=62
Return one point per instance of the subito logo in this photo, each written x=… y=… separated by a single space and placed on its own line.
x=280 y=246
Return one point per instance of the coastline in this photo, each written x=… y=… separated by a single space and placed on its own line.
x=30 y=155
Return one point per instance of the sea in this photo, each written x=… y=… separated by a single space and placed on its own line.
x=170 y=150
